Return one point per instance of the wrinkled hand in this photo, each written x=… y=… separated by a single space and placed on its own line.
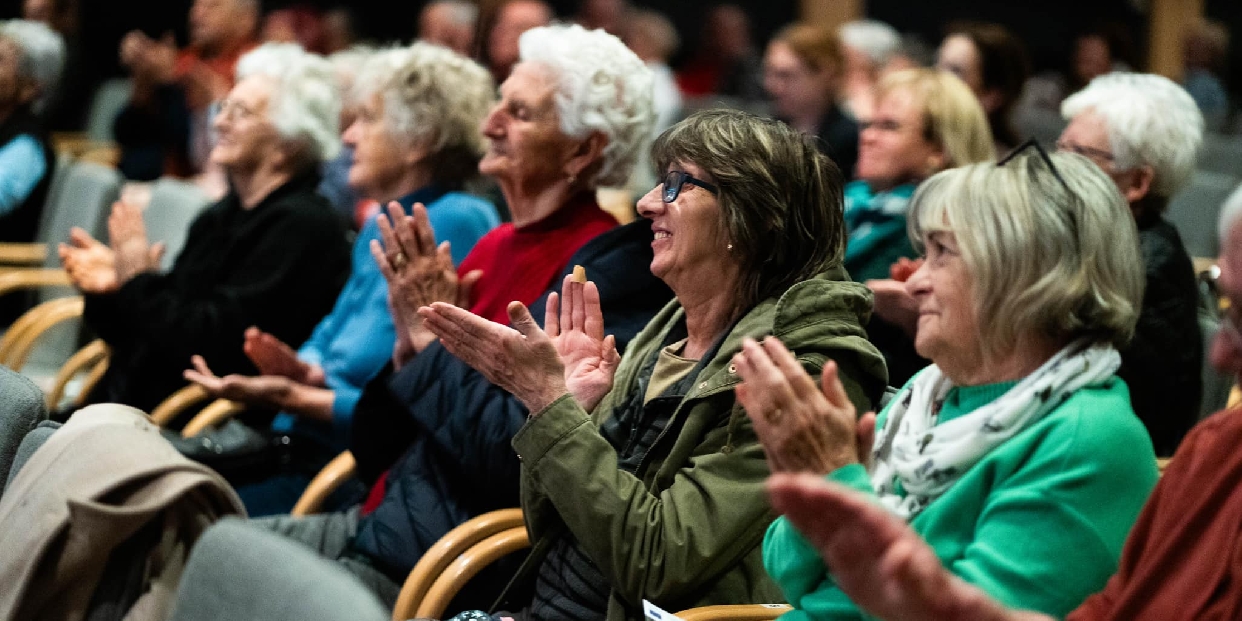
x=90 y=264
x=877 y=560
x=801 y=428
x=417 y=271
x=273 y=357
x=127 y=235
x=523 y=361
x=575 y=323
x=271 y=391
x=894 y=304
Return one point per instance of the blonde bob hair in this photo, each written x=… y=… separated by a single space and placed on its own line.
x=1043 y=261
x=952 y=116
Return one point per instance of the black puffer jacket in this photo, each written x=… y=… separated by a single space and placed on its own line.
x=445 y=431
x=1162 y=365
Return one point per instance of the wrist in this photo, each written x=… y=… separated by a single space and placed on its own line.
x=539 y=401
x=309 y=401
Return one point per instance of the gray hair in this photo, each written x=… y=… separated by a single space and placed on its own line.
x=1151 y=122
x=432 y=97
x=462 y=13
x=1045 y=259
x=602 y=86
x=347 y=65
x=305 y=104
x=875 y=39
x=42 y=55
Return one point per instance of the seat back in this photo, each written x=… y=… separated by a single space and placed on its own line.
x=1221 y=154
x=1195 y=209
x=174 y=206
x=242 y=572
x=21 y=410
x=110 y=98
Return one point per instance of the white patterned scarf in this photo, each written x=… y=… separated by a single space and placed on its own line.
x=926 y=459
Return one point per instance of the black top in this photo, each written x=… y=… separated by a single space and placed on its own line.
x=278 y=266
x=21 y=224
x=838 y=139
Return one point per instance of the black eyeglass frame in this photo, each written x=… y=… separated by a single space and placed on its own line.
x=679 y=178
x=1029 y=143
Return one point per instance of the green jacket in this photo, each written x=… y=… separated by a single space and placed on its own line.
x=1037 y=524
x=686 y=530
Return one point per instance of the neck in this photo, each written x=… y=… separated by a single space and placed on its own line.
x=254 y=186
x=532 y=204
x=807 y=120
x=413 y=180
x=708 y=313
x=1028 y=355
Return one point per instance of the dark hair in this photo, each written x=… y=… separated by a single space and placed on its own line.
x=780 y=198
x=1003 y=67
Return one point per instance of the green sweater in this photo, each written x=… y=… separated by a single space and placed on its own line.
x=1038 y=523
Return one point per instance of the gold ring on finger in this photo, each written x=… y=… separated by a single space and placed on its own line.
x=399 y=261
x=774 y=415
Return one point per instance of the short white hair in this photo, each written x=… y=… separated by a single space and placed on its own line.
x=42 y=55
x=347 y=65
x=305 y=104
x=433 y=97
x=461 y=12
x=602 y=86
x=875 y=39
x=1151 y=122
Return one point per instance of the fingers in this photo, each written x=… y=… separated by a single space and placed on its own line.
x=520 y=319
x=388 y=237
x=80 y=238
x=552 y=315
x=404 y=230
x=801 y=384
x=201 y=365
x=424 y=235
x=577 y=308
x=156 y=253
x=567 y=303
x=593 y=322
x=866 y=436
x=833 y=390
x=381 y=259
x=465 y=286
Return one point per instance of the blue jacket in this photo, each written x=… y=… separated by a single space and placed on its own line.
x=355 y=340
x=448 y=429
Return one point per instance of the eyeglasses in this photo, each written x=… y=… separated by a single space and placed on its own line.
x=677 y=178
x=1087 y=152
x=1032 y=143
x=233 y=109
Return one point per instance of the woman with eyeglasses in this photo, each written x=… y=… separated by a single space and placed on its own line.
x=642 y=478
x=1016 y=455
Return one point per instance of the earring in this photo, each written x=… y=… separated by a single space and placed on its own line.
x=572 y=178
x=729 y=247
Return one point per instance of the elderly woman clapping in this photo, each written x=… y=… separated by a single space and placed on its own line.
x=270 y=254
x=647 y=459
x=415 y=142
x=1016 y=455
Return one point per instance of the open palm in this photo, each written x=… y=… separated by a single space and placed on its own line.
x=575 y=323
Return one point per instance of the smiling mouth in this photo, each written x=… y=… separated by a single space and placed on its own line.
x=663 y=235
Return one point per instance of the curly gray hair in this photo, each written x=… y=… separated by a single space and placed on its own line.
x=42 y=55
x=305 y=104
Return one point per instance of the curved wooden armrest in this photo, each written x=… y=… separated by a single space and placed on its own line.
x=336 y=472
x=1202 y=264
x=219 y=411
x=445 y=551
x=736 y=612
x=23 y=254
x=1235 y=398
x=92 y=380
x=16 y=280
x=172 y=407
x=20 y=340
x=91 y=355
x=466 y=566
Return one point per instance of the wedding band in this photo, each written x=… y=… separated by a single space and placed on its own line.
x=399 y=260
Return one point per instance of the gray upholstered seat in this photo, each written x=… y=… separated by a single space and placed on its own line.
x=1195 y=209
x=21 y=410
x=174 y=206
x=241 y=572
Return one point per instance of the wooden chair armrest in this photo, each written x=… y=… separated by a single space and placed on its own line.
x=92 y=380
x=20 y=340
x=1202 y=264
x=445 y=551
x=172 y=407
x=1235 y=398
x=16 y=280
x=735 y=612
x=219 y=411
x=327 y=481
x=466 y=566
x=92 y=354
x=23 y=254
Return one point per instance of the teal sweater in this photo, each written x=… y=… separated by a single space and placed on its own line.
x=1038 y=523
x=876 y=224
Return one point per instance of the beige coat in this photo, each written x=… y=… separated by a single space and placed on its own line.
x=92 y=485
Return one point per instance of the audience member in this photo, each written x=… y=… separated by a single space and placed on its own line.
x=1176 y=564
x=1144 y=131
x=31 y=57
x=607 y=15
x=802 y=73
x=429 y=434
x=992 y=62
x=346 y=64
x=270 y=254
x=1097 y=51
x=512 y=18
x=67 y=107
x=339 y=31
x=869 y=45
x=912 y=53
x=449 y=23
x=725 y=63
x=627 y=460
x=299 y=24
x=651 y=36
x=1205 y=48
x=1016 y=456
x=415 y=141
x=165 y=127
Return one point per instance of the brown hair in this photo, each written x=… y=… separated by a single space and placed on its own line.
x=818 y=47
x=1003 y=67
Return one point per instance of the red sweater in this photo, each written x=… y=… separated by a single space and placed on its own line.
x=520 y=264
x=1180 y=559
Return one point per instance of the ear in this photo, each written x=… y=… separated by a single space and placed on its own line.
x=937 y=161
x=588 y=154
x=28 y=91
x=1138 y=183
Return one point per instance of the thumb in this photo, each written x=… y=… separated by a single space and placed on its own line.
x=866 y=437
x=156 y=253
x=520 y=319
x=465 y=286
x=611 y=357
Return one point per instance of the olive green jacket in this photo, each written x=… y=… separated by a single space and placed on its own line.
x=686 y=529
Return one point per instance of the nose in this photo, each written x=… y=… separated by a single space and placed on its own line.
x=350 y=137
x=919 y=284
x=651 y=205
x=491 y=126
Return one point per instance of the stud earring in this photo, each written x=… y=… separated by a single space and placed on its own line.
x=729 y=247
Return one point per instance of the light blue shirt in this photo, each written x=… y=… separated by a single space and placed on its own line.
x=356 y=339
x=21 y=168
